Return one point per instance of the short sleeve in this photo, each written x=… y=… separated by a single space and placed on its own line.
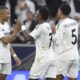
x=36 y=32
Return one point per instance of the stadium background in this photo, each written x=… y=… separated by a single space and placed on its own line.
x=24 y=11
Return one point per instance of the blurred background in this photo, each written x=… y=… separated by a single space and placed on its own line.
x=24 y=10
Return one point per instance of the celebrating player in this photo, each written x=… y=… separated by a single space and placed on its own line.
x=66 y=44
x=43 y=65
x=5 y=39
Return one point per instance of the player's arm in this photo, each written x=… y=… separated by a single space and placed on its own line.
x=28 y=38
x=9 y=38
x=16 y=58
x=34 y=34
x=12 y=36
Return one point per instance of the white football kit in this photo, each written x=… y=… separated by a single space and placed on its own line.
x=66 y=48
x=43 y=65
x=5 y=56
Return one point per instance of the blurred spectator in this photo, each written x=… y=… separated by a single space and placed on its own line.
x=41 y=3
x=29 y=22
x=75 y=6
x=21 y=10
x=22 y=7
x=36 y=5
x=30 y=6
x=12 y=9
x=2 y=2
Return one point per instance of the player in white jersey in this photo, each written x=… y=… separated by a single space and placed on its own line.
x=66 y=44
x=5 y=39
x=43 y=65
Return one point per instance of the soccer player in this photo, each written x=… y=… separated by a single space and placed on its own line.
x=43 y=65
x=66 y=44
x=5 y=39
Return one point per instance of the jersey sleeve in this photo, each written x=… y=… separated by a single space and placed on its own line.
x=36 y=32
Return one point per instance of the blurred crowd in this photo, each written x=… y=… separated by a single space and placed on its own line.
x=24 y=11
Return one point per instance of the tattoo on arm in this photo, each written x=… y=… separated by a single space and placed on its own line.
x=29 y=38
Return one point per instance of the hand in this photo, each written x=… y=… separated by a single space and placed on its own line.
x=17 y=26
x=17 y=60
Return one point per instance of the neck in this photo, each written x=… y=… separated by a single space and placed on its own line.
x=2 y=21
x=63 y=17
x=41 y=21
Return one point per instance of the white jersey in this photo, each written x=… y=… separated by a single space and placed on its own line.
x=42 y=36
x=66 y=39
x=5 y=56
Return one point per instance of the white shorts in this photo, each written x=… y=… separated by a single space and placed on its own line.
x=5 y=68
x=68 y=68
x=43 y=69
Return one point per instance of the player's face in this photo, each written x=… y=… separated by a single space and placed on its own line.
x=37 y=16
x=59 y=13
x=6 y=15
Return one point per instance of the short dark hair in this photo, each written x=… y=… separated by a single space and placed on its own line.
x=65 y=8
x=44 y=12
x=3 y=7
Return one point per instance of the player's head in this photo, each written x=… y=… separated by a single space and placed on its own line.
x=42 y=14
x=64 y=10
x=4 y=13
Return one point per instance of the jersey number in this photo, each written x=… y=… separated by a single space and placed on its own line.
x=74 y=36
x=50 y=40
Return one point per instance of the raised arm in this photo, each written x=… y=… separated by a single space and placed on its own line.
x=9 y=38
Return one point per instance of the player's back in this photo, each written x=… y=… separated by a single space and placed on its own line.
x=68 y=38
x=71 y=32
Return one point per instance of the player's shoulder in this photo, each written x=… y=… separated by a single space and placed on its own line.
x=43 y=25
x=69 y=22
x=46 y=25
x=73 y=20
